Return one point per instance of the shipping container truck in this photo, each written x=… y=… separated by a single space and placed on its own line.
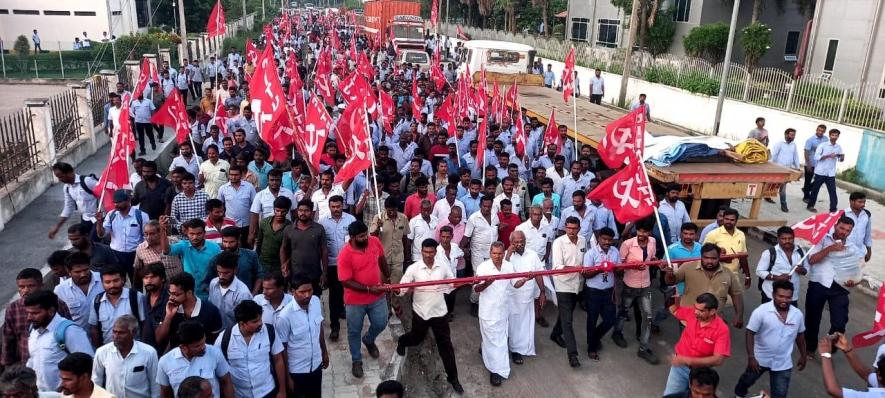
x=396 y=20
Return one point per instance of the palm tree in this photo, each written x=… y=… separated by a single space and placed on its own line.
x=543 y=5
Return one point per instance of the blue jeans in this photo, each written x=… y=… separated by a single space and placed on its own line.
x=830 y=182
x=779 y=381
x=677 y=381
x=377 y=313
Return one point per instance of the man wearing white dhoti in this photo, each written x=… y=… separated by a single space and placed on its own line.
x=494 y=309
x=521 y=321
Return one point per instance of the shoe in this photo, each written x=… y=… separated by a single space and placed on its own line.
x=517 y=358
x=594 y=356
x=495 y=379
x=357 y=370
x=400 y=350
x=769 y=200
x=373 y=350
x=141 y=152
x=457 y=387
x=573 y=361
x=805 y=200
x=543 y=322
x=811 y=209
x=655 y=330
x=619 y=340
x=153 y=147
x=333 y=335
x=785 y=209
x=648 y=356
x=558 y=340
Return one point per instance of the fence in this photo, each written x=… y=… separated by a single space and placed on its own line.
x=18 y=146
x=98 y=97
x=859 y=104
x=65 y=119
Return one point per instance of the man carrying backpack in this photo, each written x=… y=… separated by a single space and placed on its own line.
x=126 y=227
x=52 y=338
x=255 y=353
x=777 y=263
x=78 y=195
x=114 y=302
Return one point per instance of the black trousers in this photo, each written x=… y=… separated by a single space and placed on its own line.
x=308 y=385
x=160 y=129
x=145 y=128
x=196 y=89
x=809 y=179
x=443 y=336
x=566 y=304
x=816 y=298
x=596 y=99
x=336 y=297
x=126 y=260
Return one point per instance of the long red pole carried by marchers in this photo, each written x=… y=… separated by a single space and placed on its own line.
x=570 y=270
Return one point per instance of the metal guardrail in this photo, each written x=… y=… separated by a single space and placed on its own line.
x=818 y=96
x=66 y=121
x=98 y=90
x=18 y=146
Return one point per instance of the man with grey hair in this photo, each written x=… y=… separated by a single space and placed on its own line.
x=494 y=310
x=21 y=381
x=195 y=387
x=521 y=320
x=126 y=367
x=421 y=227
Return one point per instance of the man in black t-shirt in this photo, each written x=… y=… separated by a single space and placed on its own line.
x=183 y=305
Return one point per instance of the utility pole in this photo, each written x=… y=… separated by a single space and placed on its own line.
x=447 y=14
x=262 y=10
x=631 y=37
x=244 y=14
x=182 y=52
x=725 y=66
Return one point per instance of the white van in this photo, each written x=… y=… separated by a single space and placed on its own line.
x=414 y=57
x=497 y=56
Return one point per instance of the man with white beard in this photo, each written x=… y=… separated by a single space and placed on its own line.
x=494 y=310
x=521 y=321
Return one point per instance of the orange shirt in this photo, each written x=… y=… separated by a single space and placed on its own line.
x=702 y=341
x=362 y=267
x=632 y=252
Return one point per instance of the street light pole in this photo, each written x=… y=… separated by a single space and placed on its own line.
x=244 y=14
x=182 y=53
x=631 y=37
x=720 y=101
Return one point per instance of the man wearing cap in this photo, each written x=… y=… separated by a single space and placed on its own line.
x=126 y=227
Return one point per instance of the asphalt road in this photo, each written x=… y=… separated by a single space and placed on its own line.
x=619 y=373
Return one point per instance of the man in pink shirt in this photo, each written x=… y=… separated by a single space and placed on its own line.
x=413 y=201
x=636 y=288
x=456 y=222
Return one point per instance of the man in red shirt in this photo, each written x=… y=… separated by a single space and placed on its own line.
x=704 y=342
x=509 y=221
x=362 y=267
x=413 y=202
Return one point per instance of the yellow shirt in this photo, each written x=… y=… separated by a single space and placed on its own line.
x=214 y=176
x=736 y=243
x=97 y=392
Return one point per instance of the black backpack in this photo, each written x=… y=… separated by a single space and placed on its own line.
x=133 y=306
x=772 y=257
x=225 y=341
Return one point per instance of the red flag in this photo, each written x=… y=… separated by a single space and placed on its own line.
x=417 y=104
x=387 y=110
x=511 y=96
x=116 y=174
x=251 y=52
x=814 y=228
x=436 y=74
x=316 y=129
x=627 y=193
x=268 y=104
x=359 y=144
x=551 y=134
x=173 y=114
x=147 y=73
x=461 y=34
x=335 y=41
x=220 y=117
x=445 y=113
x=216 y=26
x=623 y=138
x=496 y=101
x=519 y=136
x=364 y=67
x=873 y=335
x=482 y=141
x=568 y=76
x=434 y=12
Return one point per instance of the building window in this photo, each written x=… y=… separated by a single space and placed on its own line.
x=50 y=12
x=84 y=13
x=792 y=46
x=579 y=29
x=4 y=11
x=142 y=13
x=681 y=10
x=26 y=12
x=831 y=56
x=607 y=33
x=116 y=13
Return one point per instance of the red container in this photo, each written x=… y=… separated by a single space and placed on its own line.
x=379 y=14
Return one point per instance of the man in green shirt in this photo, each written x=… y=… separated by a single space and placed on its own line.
x=270 y=235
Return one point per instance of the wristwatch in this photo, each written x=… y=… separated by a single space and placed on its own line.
x=826 y=355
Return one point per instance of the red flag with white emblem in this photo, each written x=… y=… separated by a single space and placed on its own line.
x=387 y=110
x=251 y=52
x=269 y=105
x=568 y=76
x=873 y=335
x=417 y=104
x=173 y=114
x=814 y=228
x=627 y=193
x=623 y=138
x=316 y=129
x=116 y=174
x=519 y=136
x=434 y=12
x=216 y=25
x=482 y=141
x=147 y=73
x=359 y=144
x=220 y=117
x=551 y=134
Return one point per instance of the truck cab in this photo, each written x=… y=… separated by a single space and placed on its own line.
x=497 y=57
x=407 y=31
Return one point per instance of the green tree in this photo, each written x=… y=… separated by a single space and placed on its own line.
x=755 y=40
x=660 y=35
x=22 y=46
x=707 y=41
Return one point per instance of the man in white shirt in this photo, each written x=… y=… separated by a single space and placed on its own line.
x=187 y=159
x=494 y=312
x=861 y=235
x=567 y=252
x=521 y=321
x=226 y=291
x=255 y=354
x=45 y=352
x=771 y=332
x=443 y=207
x=780 y=267
x=126 y=367
x=785 y=154
x=826 y=155
x=675 y=211
x=480 y=233
x=193 y=357
x=79 y=291
x=300 y=328
x=273 y=297
x=429 y=309
x=78 y=195
x=597 y=87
